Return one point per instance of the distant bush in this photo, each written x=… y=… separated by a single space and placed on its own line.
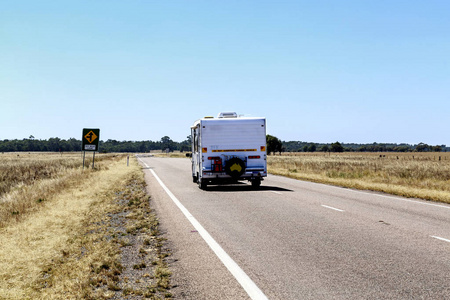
x=337 y=147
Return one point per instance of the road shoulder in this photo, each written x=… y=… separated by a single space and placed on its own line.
x=197 y=272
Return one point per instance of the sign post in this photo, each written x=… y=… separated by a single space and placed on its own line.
x=90 y=140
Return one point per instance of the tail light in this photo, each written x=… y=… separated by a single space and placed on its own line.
x=216 y=164
x=254 y=157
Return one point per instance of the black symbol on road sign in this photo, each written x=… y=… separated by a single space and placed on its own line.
x=90 y=137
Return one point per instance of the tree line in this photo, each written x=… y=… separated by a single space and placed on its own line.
x=61 y=145
x=274 y=145
x=296 y=146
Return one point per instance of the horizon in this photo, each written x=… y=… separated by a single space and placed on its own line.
x=284 y=141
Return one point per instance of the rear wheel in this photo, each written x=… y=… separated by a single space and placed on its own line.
x=256 y=183
x=202 y=184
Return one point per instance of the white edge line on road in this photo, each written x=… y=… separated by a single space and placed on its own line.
x=249 y=286
x=439 y=238
x=334 y=208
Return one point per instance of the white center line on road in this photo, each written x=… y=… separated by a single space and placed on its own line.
x=249 y=286
x=439 y=238
x=334 y=208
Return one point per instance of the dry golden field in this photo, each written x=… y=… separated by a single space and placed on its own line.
x=29 y=179
x=418 y=175
x=175 y=154
x=65 y=232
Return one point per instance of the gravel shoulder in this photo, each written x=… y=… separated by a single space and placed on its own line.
x=142 y=254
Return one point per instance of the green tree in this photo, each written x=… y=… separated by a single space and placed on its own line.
x=422 y=147
x=273 y=144
x=325 y=148
x=185 y=145
x=336 y=147
x=311 y=148
x=54 y=144
x=167 y=143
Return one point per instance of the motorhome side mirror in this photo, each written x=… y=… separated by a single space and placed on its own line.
x=188 y=154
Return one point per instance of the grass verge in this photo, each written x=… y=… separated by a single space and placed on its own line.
x=79 y=242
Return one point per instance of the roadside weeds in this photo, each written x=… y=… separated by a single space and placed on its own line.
x=94 y=241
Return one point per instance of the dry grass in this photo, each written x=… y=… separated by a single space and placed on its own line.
x=175 y=154
x=419 y=175
x=70 y=246
x=28 y=180
x=45 y=233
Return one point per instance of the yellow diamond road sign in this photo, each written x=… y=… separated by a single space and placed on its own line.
x=90 y=137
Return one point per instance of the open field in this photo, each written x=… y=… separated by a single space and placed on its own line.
x=28 y=179
x=66 y=233
x=174 y=154
x=419 y=175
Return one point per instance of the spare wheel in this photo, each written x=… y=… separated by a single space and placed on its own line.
x=235 y=167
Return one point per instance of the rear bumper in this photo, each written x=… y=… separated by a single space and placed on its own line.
x=249 y=174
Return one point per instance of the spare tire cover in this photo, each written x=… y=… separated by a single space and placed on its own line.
x=235 y=167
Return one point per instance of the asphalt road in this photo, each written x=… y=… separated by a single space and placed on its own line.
x=300 y=240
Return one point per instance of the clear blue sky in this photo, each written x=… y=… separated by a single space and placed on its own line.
x=319 y=71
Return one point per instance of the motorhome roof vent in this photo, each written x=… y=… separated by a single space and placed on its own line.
x=227 y=115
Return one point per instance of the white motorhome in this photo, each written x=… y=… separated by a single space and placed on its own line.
x=227 y=149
